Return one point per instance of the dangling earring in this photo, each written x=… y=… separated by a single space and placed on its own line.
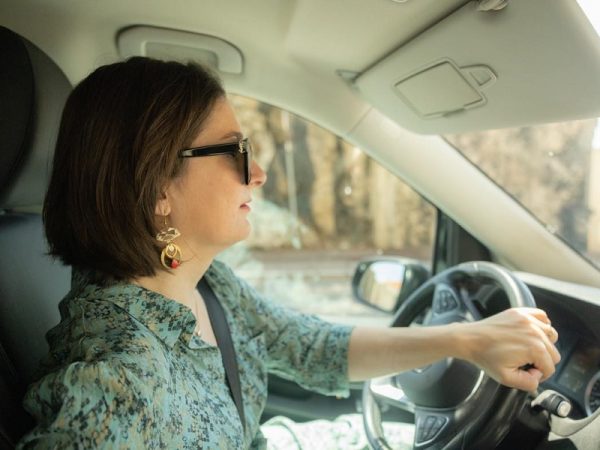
x=170 y=257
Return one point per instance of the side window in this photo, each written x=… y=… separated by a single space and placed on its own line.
x=325 y=206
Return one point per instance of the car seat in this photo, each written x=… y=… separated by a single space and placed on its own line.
x=33 y=91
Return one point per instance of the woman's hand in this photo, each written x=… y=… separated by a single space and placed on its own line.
x=514 y=347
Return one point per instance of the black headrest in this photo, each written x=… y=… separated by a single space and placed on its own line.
x=33 y=91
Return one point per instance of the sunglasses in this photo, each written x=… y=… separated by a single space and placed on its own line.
x=241 y=151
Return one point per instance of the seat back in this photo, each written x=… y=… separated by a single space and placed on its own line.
x=33 y=91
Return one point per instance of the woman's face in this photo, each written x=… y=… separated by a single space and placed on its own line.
x=209 y=203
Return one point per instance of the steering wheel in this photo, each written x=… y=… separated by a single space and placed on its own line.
x=456 y=406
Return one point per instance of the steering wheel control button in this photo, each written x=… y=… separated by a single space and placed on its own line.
x=444 y=301
x=428 y=428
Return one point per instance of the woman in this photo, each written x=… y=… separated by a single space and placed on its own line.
x=151 y=179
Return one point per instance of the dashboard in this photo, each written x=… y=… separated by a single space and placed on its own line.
x=579 y=377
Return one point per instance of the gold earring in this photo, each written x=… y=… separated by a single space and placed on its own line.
x=170 y=257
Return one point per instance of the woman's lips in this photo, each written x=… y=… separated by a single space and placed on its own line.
x=246 y=206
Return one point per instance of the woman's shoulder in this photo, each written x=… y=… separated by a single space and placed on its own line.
x=100 y=324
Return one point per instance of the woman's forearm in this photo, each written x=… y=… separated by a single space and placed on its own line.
x=376 y=352
x=515 y=347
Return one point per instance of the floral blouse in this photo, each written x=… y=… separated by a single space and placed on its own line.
x=126 y=371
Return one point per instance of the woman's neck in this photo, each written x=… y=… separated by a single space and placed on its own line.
x=177 y=284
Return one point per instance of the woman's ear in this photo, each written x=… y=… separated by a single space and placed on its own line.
x=163 y=207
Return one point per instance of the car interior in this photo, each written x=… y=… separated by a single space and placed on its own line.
x=393 y=78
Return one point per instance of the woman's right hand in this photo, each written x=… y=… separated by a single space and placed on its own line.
x=515 y=347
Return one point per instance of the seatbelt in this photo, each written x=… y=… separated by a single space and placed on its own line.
x=223 y=335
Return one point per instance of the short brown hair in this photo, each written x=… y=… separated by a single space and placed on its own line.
x=120 y=133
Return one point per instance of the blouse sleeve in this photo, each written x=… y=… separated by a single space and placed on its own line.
x=90 y=405
x=300 y=347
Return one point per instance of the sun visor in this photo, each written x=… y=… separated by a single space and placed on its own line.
x=479 y=70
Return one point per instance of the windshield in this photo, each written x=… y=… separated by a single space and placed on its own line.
x=553 y=170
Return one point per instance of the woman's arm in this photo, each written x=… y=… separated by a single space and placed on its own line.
x=500 y=345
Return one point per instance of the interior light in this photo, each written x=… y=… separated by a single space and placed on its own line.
x=591 y=8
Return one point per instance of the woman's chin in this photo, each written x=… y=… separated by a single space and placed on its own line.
x=243 y=234
x=247 y=231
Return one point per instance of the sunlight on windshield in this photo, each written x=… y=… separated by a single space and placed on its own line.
x=552 y=169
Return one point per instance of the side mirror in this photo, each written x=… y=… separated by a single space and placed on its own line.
x=384 y=284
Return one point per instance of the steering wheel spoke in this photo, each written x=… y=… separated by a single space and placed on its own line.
x=448 y=306
x=445 y=300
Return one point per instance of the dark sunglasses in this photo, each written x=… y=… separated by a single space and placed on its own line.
x=241 y=151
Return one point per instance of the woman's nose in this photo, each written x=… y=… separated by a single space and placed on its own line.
x=258 y=176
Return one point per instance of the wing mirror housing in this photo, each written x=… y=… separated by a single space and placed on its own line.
x=384 y=284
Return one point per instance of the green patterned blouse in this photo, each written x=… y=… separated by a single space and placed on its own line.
x=126 y=371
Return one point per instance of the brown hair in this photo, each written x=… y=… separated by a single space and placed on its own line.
x=120 y=133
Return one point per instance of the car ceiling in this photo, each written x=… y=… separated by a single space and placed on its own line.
x=293 y=52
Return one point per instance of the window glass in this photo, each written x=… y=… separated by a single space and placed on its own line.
x=552 y=169
x=325 y=206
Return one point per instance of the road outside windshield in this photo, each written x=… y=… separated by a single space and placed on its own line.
x=553 y=170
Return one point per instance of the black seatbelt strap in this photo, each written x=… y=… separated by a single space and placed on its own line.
x=223 y=335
